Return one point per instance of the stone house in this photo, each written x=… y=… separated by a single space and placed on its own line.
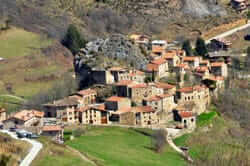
x=54 y=131
x=191 y=61
x=26 y=118
x=2 y=114
x=215 y=84
x=197 y=94
x=63 y=109
x=141 y=116
x=186 y=119
x=219 y=69
x=137 y=76
x=102 y=77
x=85 y=97
x=162 y=67
x=93 y=114
x=167 y=88
x=115 y=103
x=119 y=73
x=204 y=70
x=137 y=91
x=172 y=60
x=163 y=104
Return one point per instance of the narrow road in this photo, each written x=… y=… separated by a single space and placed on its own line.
x=228 y=33
x=33 y=152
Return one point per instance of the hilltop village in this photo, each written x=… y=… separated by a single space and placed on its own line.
x=141 y=98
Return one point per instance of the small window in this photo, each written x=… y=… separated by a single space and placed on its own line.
x=185 y=121
x=192 y=120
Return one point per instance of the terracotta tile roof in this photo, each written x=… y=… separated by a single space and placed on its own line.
x=86 y=92
x=135 y=73
x=100 y=107
x=159 y=61
x=25 y=115
x=157 y=97
x=114 y=98
x=122 y=111
x=140 y=85
x=143 y=109
x=124 y=83
x=186 y=89
x=204 y=62
x=164 y=85
x=217 y=64
x=202 y=69
x=189 y=58
x=185 y=114
x=169 y=55
x=152 y=67
x=182 y=66
x=2 y=110
x=52 y=128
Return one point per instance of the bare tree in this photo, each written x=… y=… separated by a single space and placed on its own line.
x=159 y=140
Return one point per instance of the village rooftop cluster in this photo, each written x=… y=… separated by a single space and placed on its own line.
x=140 y=99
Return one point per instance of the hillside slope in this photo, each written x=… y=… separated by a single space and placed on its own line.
x=31 y=63
x=154 y=17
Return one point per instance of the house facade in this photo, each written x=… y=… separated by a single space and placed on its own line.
x=93 y=114
x=115 y=103
x=2 y=114
x=219 y=69
x=186 y=119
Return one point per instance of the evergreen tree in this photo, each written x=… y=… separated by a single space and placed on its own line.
x=73 y=40
x=186 y=46
x=200 y=47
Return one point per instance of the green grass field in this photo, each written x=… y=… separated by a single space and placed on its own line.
x=54 y=154
x=18 y=42
x=112 y=146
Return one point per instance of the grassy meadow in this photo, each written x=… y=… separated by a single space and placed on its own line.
x=113 y=146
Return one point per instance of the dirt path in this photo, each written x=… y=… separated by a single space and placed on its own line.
x=85 y=158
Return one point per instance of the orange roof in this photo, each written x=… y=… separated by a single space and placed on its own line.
x=152 y=67
x=217 y=64
x=191 y=89
x=100 y=107
x=124 y=83
x=182 y=66
x=185 y=114
x=143 y=109
x=140 y=85
x=52 y=128
x=189 y=58
x=123 y=110
x=136 y=72
x=159 y=61
x=86 y=92
x=157 y=97
x=114 y=98
x=201 y=69
x=2 y=110
x=25 y=115
x=163 y=85
x=204 y=62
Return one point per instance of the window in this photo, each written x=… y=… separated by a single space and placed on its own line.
x=185 y=121
x=192 y=120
